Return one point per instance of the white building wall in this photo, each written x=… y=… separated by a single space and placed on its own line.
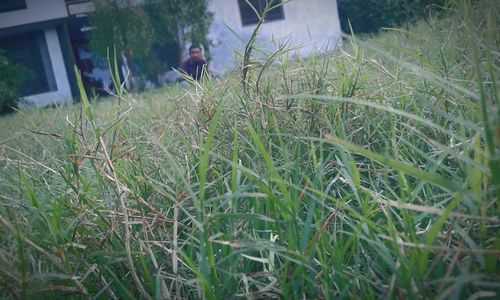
x=63 y=92
x=311 y=24
x=36 y=11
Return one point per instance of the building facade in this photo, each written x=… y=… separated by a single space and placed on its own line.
x=308 y=25
x=50 y=37
x=33 y=34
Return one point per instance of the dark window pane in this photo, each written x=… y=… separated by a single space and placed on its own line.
x=9 y=5
x=30 y=51
x=277 y=13
x=248 y=15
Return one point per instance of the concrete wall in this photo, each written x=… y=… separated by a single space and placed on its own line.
x=311 y=24
x=63 y=92
x=36 y=11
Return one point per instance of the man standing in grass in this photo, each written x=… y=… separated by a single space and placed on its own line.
x=195 y=64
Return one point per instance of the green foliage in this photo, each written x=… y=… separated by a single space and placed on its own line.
x=128 y=28
x=136 y=29
x=170 y=16
x=369 y=172
x=368 y=16
x=11 y=81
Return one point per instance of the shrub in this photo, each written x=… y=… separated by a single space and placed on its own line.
x=367 y=16
x=11 y=80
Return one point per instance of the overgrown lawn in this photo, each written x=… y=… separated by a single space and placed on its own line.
x=371 y=171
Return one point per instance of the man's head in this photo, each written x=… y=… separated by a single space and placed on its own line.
x=195 y=52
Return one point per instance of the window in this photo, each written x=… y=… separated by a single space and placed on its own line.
x=248 y=16
x=9 y=5
x=30 y=51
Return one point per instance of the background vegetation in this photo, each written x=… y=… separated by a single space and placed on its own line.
x=12 y=78
x=369 y=172
x=137 y=29
x=368 y=16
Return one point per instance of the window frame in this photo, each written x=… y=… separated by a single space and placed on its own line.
x=250 y=18
x=34 y=57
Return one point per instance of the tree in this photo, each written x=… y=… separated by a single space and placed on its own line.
x=135 y=29
x=190 y=18
x=368 y=16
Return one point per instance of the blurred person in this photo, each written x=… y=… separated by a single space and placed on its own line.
x=195 y=64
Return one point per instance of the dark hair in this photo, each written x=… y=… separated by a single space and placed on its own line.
x=194 y=47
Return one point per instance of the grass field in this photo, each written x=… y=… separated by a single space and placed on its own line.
x=368 y=172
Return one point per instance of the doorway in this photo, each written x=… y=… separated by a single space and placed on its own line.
x=94 y=70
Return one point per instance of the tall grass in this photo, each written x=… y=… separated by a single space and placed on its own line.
x=368 y=172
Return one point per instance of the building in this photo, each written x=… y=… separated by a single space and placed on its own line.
x=33 y=34
x=308 y=24
x=50 y=37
